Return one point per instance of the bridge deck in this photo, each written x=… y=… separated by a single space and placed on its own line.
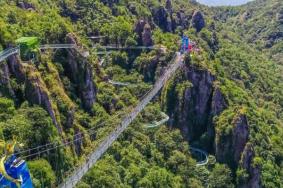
x=6 y=53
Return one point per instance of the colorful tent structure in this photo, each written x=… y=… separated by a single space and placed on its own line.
x=18 y=171
x=14 y=172
x=186 y=45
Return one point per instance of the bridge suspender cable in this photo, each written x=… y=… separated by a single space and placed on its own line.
x=76 y=176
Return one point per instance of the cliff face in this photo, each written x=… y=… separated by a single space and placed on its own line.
x=229 y=147
x=35 y=90
x=253 y=171
x=170 y=20
x=80 y=73
x=195 y=103
x=5 y=85
x=232 y=146
x=198 y=21
x=143 y=30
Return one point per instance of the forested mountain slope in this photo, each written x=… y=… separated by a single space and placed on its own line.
x=259 y=23
x=227 y=100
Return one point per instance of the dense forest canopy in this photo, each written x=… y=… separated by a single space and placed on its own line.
x=227 y=99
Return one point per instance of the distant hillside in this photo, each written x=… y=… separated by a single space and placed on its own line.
x=223 y=2
x=260 y=23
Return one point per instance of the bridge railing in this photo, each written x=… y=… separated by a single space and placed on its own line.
x=6 y=53
x=11 y=51
x=57 y=46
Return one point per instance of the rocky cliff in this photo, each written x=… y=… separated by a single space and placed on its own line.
x=35 y=90
x=197 y=101
x=233 y=145
x=254 y=171
x=199 y=109
x=80 y=73
x=143 y=30
x=198 y=21
x=5 y=82
x=230 y=145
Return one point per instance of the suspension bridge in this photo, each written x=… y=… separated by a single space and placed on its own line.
x=12 y=51
x=7 y=53
x=79 y=172
x=77 y=175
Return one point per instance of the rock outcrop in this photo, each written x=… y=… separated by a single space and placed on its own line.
x=160 y=17
x=78 y=141
x=26 y=5
x=80 y=73
x=168 y=5
x=37 y=93
x=147 y=36
x=229 y=146
x=245 y=16
x=279 y=16
x=247 y=164
x=16 y=68
x=143 y=30
x=198 y=21
x=195 y=104
x=139 y=27
x=5 y=85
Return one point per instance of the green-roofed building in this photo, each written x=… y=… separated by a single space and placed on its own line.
x=29 y=47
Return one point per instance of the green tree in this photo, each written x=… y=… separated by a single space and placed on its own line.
x=221 y=177
x=104 y=174
x=7 y=108
x=160 y=177
x=42 y=173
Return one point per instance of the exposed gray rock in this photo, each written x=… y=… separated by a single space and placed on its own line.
x=279 y=16
x=160 y=17
x=36 y=93
x=182 y=20
x=5 y=85
x=198 y=21
x=254 y=171
x=35 y=88
x=81 y=74
x=218 y=105
x=70 y=118
x=147 y=36
x=230 y=145
x=26 y=5
x=143 y=30
x=168 y=5
x=78 y=141
x=240 y=136
x=218 y=102
x=191 y=112
x=245 y=16
x=16 y=68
